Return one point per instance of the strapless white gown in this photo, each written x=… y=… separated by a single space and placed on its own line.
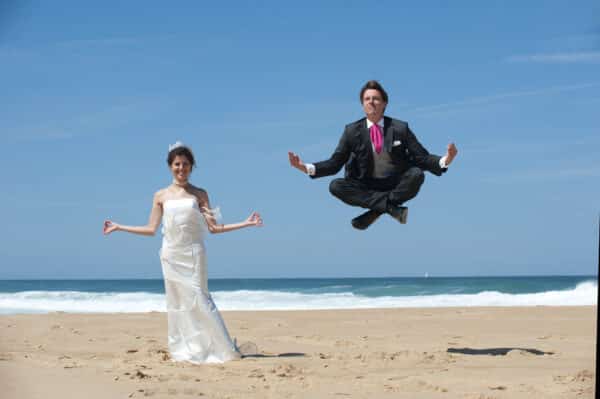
x=197 y=333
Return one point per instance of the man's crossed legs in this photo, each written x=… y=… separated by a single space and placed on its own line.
x=379 y=195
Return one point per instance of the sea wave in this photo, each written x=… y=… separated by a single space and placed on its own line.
x=91 y=302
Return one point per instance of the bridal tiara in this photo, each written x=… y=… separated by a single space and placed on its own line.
x=178 y=144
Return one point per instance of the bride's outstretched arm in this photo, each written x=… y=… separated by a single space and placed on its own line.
x=147 y=230
x=211 y=219
x=253 y=220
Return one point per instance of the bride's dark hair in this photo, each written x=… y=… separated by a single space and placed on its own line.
x=178 y=151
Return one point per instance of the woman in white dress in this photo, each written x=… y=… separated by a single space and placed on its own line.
x=197 y=332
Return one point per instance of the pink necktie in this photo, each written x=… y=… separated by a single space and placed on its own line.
x=376 y=137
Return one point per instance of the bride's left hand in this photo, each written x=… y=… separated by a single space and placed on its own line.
x=109 y=227
x=254 y=219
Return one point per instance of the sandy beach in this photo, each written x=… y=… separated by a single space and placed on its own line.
x=475 y=353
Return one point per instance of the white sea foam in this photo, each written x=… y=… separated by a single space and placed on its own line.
x=88 y=302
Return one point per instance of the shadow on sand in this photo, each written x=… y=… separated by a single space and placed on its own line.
x=261 y=355
x=496 y=351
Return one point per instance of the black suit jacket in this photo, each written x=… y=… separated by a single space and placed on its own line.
x=355 y=151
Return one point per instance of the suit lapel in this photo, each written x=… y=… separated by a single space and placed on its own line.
x=364 y=132
x=366 y=139
x=388 y=134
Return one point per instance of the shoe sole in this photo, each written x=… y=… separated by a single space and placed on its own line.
x=359 y=227
x=404 y=216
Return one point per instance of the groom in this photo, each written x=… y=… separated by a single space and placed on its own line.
x=384 y=162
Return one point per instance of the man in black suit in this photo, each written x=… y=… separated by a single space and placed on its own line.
x=384 y=162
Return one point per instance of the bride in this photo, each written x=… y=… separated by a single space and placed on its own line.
x=196 y=330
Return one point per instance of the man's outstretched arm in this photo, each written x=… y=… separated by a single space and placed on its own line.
x=324 y=168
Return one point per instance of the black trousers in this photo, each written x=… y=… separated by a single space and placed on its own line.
x=379 y=194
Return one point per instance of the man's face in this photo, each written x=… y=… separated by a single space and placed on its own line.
x=373 y=104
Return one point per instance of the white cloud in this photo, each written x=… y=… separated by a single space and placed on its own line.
x=95 y=121
x=545 y=175
x=104 y=42
x=502 y=96
x=558 y=58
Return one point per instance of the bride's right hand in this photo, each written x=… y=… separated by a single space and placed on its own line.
x=109 y=227
x=254 y=219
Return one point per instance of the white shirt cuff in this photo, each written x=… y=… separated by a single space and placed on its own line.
x=310 y=169
x=443 y=162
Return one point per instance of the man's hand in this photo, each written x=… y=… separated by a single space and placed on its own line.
x=450 y=153
x=296 y=162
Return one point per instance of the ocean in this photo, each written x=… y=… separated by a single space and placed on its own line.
x=98 y=296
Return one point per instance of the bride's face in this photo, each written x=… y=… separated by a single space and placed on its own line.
x=181 y=168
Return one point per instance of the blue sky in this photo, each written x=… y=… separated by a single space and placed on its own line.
x=93 y=94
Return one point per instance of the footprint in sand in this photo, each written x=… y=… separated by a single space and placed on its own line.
x=287 y=371
x=421 y=385
x=150 y=392
x=584 y=375
x=256 y=373
x=140 y=375
x=581 y=376
x=162 y=354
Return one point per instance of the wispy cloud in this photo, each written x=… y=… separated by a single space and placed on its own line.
x=502 y=96
x=574 y=142
x=115 y=41
x=111 y=118
x=558 y=58
x=77 y=46
x=104 y=42
x=544 y=175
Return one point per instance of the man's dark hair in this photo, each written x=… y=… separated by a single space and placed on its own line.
x=373 y=84
x=184 y=151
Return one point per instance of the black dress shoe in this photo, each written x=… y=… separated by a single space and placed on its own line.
x=363 y=221
x=400 y=213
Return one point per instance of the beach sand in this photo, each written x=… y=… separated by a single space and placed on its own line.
x=476 y=353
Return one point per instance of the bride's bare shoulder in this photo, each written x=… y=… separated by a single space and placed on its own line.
x=160 y=195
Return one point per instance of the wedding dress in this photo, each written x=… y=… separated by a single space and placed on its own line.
x=196 y=331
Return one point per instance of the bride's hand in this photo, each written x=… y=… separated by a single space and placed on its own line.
x=109 y=227
x=254 y=219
